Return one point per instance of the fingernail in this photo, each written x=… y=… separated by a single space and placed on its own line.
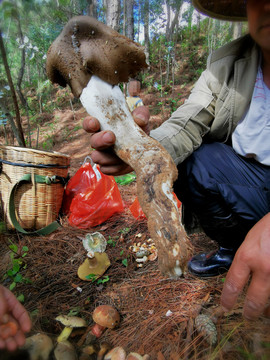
x=141 y=118
x=92 y=123
x=108 y=138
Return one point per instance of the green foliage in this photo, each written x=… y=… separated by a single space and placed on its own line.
x=125 y=262
x=18 y=264
x=124 y=231
x=111 y=242
x=74 y=311
x=99 y=280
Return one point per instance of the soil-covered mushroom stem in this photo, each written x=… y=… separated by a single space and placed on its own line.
x=155 y=171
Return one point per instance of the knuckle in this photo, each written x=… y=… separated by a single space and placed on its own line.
x=244 y=256
x=232 y=286
x=265 y=268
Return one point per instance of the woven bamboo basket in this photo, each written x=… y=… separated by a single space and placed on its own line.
x=36 y=204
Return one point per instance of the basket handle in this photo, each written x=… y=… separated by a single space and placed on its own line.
x=41 y=180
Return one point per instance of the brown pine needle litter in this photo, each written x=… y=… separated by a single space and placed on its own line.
x=157 y=314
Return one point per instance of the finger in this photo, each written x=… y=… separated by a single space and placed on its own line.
x=91 y=124
x=102 y=140
x=11 y=344
x=105 y=158
x=257 y=296
x=3 y=305
x=2 y=344
x=19 y=338
x=141 y=116
x=116 y=170
x=267 y=312
x=236 y=279
x=23 y=319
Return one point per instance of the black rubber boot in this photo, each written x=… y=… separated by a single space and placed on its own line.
x=211 y=264
x=229 y=233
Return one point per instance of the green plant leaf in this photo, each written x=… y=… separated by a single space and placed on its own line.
x=12 y=286
x=92 y=277
x=20 y=298
x=125 y=262
x=18 y=278
x=13 y=247
x=103 y=280
x=75 y=311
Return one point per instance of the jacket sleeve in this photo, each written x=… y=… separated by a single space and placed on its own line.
x=183 y=132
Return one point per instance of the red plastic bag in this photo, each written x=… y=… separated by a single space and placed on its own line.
x=137 y=212
x=91 y=197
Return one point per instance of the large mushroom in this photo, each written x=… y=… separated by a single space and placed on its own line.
x=92 y=59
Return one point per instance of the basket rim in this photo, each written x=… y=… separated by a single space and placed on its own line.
x=29 y=150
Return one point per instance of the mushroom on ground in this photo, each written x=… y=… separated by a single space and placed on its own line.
x=95 y=266
x=38 y=346
x=117 y=353
x=70 y=322
x=65 y=351
x=91 y=58
x=94 y=242
x=104 y=316
x=104 y=348
x=136 y=356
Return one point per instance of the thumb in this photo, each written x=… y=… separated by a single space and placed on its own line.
x=3 y=306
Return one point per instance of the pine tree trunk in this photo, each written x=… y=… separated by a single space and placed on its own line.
x=146 y=31
x=237 y=30
x=130 y=19
x=113 y=9
x=92 y=8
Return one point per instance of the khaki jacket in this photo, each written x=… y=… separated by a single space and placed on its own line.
x=217 y=102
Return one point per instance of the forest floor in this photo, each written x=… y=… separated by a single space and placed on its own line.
x=157 y=314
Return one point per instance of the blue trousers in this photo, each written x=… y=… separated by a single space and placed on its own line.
x=227 y=192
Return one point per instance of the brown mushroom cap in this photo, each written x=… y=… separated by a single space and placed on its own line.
x=106 y=316
x=88 y=47
x=95 y=266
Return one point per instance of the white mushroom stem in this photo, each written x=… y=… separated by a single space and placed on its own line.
x=155 y=171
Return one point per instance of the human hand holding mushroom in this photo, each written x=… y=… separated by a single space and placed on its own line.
x=14 y=321
x=92 y=59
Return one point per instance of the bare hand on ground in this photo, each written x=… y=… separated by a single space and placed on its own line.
x=251 y=260
x=103 y=141
x=14 y=321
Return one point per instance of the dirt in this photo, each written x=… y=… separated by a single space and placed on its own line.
x=157 y=314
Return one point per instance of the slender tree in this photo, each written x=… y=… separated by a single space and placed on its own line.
x=19 y=134
x=92 y=8
x=146 y=30
x=129 y=19
x=113 y=9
